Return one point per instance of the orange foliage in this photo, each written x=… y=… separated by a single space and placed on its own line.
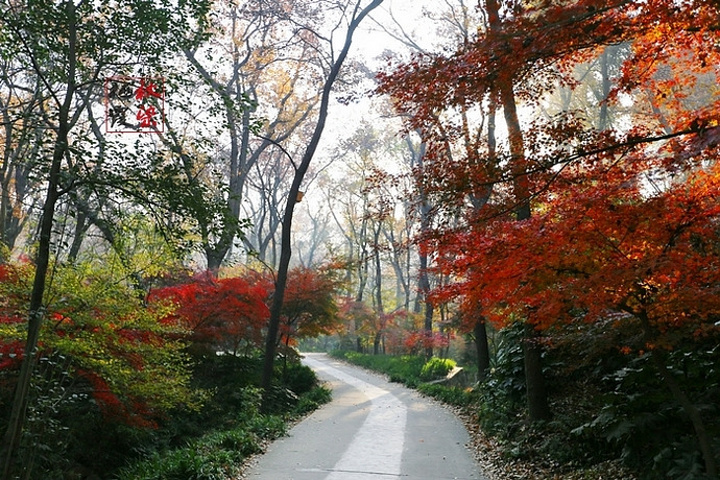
x=309 y=307
x=624 y=223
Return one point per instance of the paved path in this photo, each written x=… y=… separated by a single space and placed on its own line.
x=372 y=430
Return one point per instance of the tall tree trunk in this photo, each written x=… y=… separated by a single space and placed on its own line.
x=479 y=199
x=424 y=281
x=379 y=309
x=417 y=159
x=376 y=342
x=424 y=276
x=42 y=260
x=285 y=244
x=538 y=406
x=604 y=120
x=362 y=271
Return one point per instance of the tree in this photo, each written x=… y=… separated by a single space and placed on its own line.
x=57 y=45
x=425 y=118
x=354 y=14
x=100 y=348
x=254 y=68
x=220 y=313
x=19 y=138
x=309 y=309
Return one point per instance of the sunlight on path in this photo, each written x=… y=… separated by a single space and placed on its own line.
x=376 y=451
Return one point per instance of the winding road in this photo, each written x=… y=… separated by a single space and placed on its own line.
x=372 y=430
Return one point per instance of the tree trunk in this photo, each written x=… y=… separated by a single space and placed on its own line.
x=379 y=309
x=424 y=278
x=81 y=227
x=538 y=407
x=604 y=119
x=42 y=261
x=482 y=348
x=214 y=257
x=479 y=199
x=535 y=382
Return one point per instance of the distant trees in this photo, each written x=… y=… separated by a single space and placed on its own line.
x=257 y=72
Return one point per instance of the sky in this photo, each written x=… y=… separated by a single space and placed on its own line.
x=369 y=44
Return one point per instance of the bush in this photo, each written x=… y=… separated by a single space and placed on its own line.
x=215 y=456
x=436 y=368
x=312 y=400
x=502 y=394
x=461 y=397
x=212 y=444
x=197 y=462
x=404 y=369
x=299 y=378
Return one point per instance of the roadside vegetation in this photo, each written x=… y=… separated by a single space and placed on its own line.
x=215 y=442
x=161 y=385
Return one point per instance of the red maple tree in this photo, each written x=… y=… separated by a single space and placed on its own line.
x=309 y=307
x=221 y=313
x=620 y=223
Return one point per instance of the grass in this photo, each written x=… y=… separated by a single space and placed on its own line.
x=405 y=369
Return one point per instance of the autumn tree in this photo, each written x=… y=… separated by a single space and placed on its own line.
x=222 y=314
x=99 y=349
x=665 y=153
x=351 y=15
x=310 y=308
x=440 y=134
x=455 y=23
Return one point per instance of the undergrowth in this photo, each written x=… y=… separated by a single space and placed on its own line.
x=214 y=443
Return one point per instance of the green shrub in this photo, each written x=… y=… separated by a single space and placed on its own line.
x=646 y=425
x=212 y=444
x=189 y=463
x=403 y=369
x=436 y=368
x=267 y=427
x=502 y=394
x=216 y=456
x=312 y=400
x=457 y=396
x=299 y=378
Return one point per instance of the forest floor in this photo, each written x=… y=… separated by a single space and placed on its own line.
x=496 y=466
